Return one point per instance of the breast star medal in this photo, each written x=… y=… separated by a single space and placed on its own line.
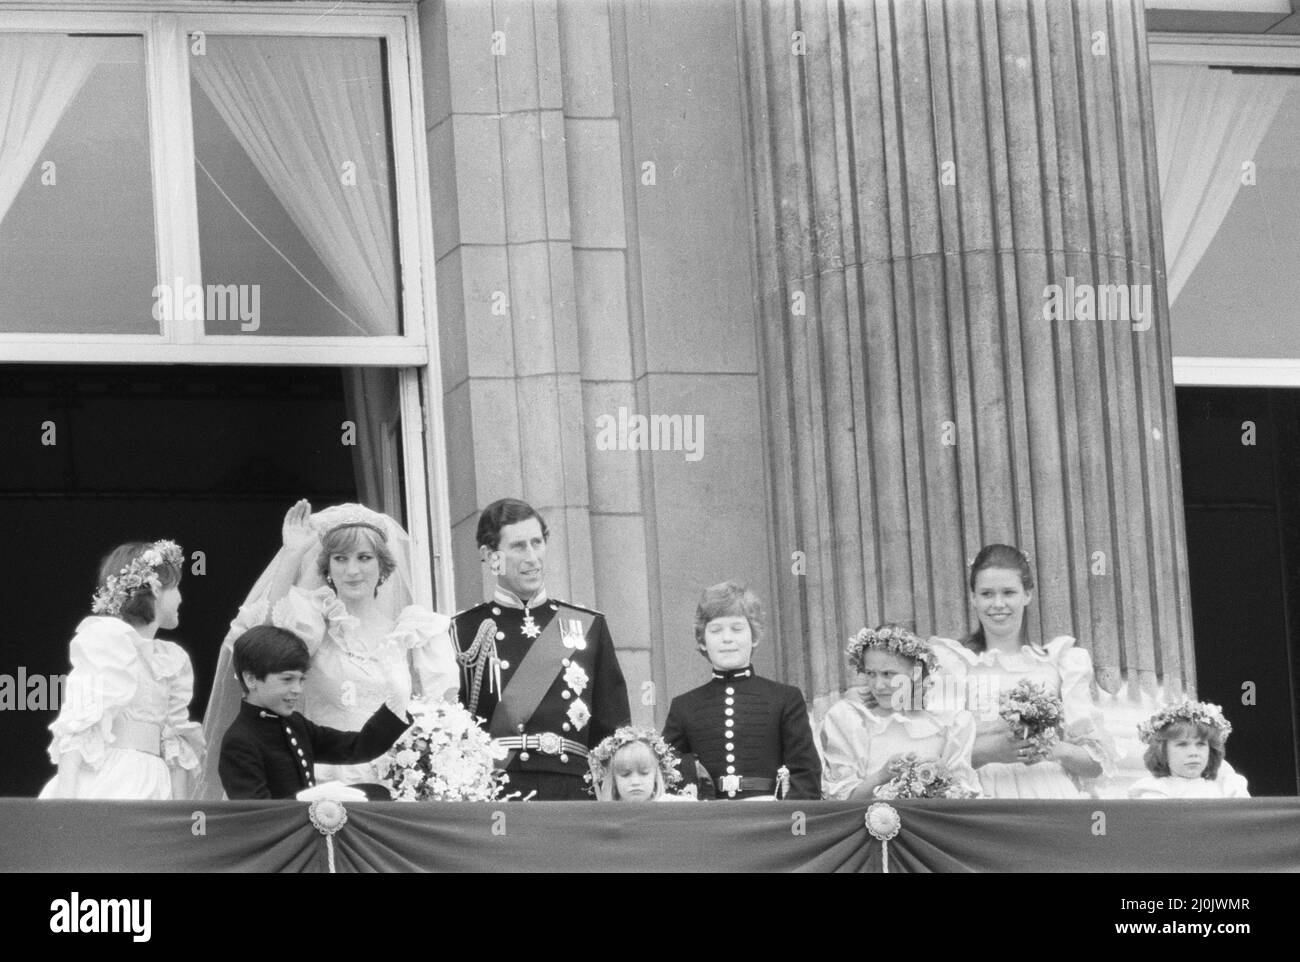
x=530 y=628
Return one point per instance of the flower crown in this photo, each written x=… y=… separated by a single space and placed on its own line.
x=1185 y=711
x=892 y=638
x=139 y=575
x=602 y=756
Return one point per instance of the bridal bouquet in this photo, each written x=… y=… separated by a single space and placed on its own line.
x=1034 y=713
x=915 y=778
x=444 y=757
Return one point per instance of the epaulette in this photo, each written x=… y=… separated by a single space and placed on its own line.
x=570 y=604
x=465 y=611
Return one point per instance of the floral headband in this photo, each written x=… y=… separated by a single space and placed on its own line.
x=137 y=576
x=891 y=638
x=1185 y=711
x=602 y=756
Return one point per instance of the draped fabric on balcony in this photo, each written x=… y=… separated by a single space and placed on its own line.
x=39 y=77
x=922 y=172
x=1249 y=835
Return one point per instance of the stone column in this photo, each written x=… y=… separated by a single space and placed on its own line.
x=925 y=176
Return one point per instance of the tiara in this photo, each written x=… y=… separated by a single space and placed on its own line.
x=891 y=638
x=138 y=575
x=1195 y=712
x=602 y=756
x=351 y=516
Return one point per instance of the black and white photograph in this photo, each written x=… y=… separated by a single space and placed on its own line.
x=870 y=428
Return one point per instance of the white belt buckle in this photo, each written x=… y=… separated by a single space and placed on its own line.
x=731 y=785
x=549 y=743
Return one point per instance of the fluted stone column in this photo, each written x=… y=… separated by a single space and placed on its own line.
x=923 y=173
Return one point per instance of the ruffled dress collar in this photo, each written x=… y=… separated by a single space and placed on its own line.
x=342 y=626
x=1028 y=654
x=154 y=652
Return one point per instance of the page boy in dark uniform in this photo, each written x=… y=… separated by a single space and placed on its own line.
x=543 y=672
x=270 y=750
x=743 y=729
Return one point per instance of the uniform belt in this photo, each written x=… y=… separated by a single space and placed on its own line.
x=729 y=785
x=141 y=736
x=548 y=743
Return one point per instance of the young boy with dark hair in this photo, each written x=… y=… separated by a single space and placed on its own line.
x=270 y=750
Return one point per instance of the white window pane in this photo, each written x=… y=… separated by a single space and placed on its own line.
x=77 y=252
x=295 y=185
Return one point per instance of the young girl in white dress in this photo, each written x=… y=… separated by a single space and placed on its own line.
x=124 y=730
x=341 y=583
x=634 y=765
x=994 y=659
x=1185 y=744
x=876 y=723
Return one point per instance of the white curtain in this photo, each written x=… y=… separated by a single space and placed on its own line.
x=303 y=109
x=40 y=74
x=1208 y=124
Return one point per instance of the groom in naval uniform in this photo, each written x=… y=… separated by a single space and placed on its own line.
x=543 y=672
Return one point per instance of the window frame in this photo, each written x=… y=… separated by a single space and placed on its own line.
x=166 y=32
x=167 y=35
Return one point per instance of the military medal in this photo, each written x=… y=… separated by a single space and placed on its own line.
x=571 y=633
x=530 y=628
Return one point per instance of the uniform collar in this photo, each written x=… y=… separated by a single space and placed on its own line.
x=734 y=673
x=508 y=599
x=260 y=714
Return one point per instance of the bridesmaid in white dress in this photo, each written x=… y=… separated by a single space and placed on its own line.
x=341 y=583
x=1185 y=747
x=874 y=724
x=123 y=730
x=995 y=658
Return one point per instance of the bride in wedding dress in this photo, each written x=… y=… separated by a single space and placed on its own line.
x=341 y=582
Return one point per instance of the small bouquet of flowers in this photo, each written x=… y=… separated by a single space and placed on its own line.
x=917 y=778
x=1035 y=714
x=444 y=757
